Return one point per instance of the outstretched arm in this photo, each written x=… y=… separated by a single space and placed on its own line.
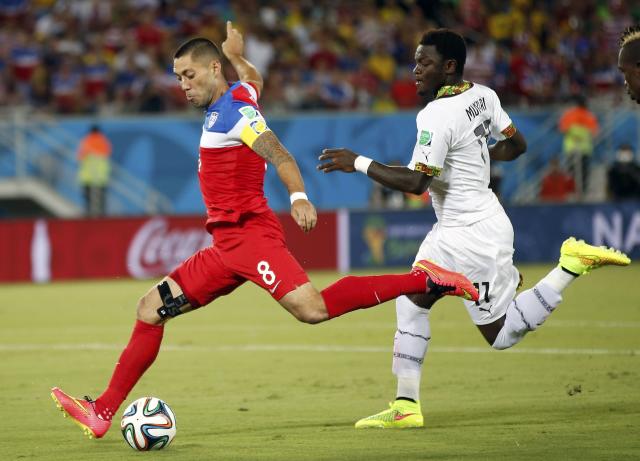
x=233 y=49
x=269 y=147
x=394 y=177
x=508 y=149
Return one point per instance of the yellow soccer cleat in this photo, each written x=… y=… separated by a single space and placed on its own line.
x=402 y=414
x=581 y=258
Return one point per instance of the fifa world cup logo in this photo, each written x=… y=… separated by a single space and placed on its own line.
x=375 y=235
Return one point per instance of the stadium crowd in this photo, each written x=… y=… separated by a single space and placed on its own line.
x=92 y=56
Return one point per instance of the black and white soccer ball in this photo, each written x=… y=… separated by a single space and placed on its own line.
x=148 y=424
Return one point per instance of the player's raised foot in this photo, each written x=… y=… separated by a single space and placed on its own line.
x=580 y=258
x=402 y=414
x=444 y=282
x=82 y=412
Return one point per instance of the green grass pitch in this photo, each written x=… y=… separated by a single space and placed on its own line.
x=248 y=382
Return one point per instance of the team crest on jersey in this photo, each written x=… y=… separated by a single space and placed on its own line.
x=248 y=112
x=212 y=119
x=425 y=138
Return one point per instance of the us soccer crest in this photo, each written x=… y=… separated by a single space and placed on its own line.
x=212 y=119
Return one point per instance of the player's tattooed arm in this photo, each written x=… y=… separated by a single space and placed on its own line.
x=269 y=147
x=508 y=149
x=394 y=177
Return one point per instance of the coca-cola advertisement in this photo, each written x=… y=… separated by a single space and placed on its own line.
x=43 y=250
x=158 y=247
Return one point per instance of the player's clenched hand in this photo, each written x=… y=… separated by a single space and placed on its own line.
x=234 y=44
x=337 y=159
x=304 y=213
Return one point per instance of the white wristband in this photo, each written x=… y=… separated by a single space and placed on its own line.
x=361 y=163
x=298 y=196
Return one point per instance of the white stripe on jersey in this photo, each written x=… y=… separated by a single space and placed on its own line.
x=251 y=90
x=231 y=138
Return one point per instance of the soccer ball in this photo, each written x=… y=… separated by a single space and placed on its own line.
x=148 y=424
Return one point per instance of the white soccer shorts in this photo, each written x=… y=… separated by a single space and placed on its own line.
x=483 y=252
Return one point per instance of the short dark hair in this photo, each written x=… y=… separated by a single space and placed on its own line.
x=449 y=45
x=198 y=47
x=630 y=34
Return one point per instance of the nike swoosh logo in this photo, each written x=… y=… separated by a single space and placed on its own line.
x=428 y=270
x=85 y=411
x=273 y=290
x=400 y=417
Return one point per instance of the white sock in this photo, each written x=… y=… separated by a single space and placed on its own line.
x=410 y=346
x=526 y=313
x=558 y=279
x=409 y=387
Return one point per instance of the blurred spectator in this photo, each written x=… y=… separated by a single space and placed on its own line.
x=259 y=50
x=25 y=58
x=274 y=92
x=147 y=33
x=151 y=98
x=382 y=102
x=94 y=170
x=96 y=74
x=480 y=62
x=579 y=126
x=381 y=64
x=66 y=86
x=624 y=175
x=531 y=52
x=403 y=89
x=335 y=91
x=557 y=185
x=323 y=57
x=294 y=91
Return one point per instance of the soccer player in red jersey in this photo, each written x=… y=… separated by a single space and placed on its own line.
x=235 y=146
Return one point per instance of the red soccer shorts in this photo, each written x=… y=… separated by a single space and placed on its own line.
x=251 y=249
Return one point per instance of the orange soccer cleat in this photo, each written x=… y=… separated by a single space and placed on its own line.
x=444 y=282
x=82 y=412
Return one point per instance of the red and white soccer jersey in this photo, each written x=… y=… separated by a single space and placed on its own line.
x=231 y=174
x=248 y=238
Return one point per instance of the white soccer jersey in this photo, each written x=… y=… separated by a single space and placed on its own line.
x=451 y=146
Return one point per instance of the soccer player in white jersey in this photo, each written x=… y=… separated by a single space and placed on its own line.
x=473 y=235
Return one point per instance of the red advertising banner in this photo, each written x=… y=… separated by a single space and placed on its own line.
x=43 y=250
x=15 y=250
